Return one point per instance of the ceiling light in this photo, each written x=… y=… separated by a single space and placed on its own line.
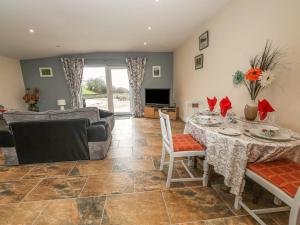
x=31 y=30
x=145 y=43
x=149 y=28
x=157 y=0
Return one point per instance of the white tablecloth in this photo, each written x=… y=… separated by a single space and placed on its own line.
x=229 y=155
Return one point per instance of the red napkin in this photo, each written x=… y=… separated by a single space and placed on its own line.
x=225 y=105
x=264 y=107
x=212 y=102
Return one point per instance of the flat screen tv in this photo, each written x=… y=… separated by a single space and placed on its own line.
x=157 y=97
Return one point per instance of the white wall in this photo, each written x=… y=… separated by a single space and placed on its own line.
x=238 y=32
x=11 y=84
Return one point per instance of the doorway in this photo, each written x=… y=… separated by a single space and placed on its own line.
x=107 y=88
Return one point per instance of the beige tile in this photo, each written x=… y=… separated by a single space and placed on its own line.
x=193 y=204
x=15 y=191
x=56 y=188
x=140 y=151
x=149 y=181
x=113 y=183
x=247 y=220
x=193 y=223
x=154 y=141
x=13 y=172
x=121 y=152
x=138 y=208
x=72 y=211
x=280 y=218
x=266 y=199
x=84 y=168
x=50 y=170
x=21 y=213
x=129 y=164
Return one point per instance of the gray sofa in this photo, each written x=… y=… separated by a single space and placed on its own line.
x=95 y=125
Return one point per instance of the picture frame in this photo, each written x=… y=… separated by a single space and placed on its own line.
x=46 y=72
x=156 y=71
x=199 y=61
x=203 y=40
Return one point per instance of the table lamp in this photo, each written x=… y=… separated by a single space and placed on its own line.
x=61 y=103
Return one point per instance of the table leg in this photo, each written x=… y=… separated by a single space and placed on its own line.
x=207 y=174
x=238 y=197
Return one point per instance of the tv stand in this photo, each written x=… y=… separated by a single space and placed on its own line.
x=151 y=111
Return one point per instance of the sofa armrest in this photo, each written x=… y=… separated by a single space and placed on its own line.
x=105 y=113
x=6 y=139
x=97 y=132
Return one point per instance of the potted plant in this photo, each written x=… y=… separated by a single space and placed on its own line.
x=258 y=77
x=32 y=98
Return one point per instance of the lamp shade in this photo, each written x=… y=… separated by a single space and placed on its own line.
x=61 y=102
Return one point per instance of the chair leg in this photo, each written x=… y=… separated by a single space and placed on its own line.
x=190 y=161
x=170 y=171
x=205 y=174
x=195 y=162
x=162 y=160
x=277 y=201
x=294 y=218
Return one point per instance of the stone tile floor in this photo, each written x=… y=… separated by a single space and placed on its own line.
x=125 y=189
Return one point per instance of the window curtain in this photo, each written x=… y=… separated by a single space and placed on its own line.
x=136 y=71
x=73 y=69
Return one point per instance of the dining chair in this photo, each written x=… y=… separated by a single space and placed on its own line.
x=178 y=146
x=282 y=179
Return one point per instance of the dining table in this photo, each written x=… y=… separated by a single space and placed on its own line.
x=229 y=155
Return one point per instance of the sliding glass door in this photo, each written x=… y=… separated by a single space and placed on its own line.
x=106 y=88
x=120 y=90
x=94 y=87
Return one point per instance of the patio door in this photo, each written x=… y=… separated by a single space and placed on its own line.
x=119 y=90
x=107 y=88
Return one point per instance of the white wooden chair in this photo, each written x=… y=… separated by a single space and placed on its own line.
x=181 y=145
x=282 y=179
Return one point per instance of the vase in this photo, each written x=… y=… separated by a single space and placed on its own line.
x=251 y=111
x=33 y=107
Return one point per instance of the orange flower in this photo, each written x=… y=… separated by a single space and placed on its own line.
x=253 y=74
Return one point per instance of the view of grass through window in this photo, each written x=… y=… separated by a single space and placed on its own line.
x=95 y=89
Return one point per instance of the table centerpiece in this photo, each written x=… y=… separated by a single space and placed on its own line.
x=258 y=77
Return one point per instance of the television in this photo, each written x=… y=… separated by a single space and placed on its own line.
x=157 y=97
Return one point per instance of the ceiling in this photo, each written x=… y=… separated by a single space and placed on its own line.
x=77 y=26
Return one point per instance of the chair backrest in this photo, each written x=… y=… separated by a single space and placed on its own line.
x=166 y=131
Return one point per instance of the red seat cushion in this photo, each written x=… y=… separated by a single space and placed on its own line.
x=284 y=174
x=185 y=142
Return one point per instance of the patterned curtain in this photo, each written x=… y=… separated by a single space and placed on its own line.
x=73 y=69
x=136 y=70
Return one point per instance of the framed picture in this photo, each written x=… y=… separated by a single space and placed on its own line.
x=156 y=72
x=46 y=72
x=199 y=62
x=203 y=41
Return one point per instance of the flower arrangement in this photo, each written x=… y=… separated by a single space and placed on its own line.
x=260 y=75
x=32 y=97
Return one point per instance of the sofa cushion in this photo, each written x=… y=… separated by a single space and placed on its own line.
x=90 y=113
x=20 y=116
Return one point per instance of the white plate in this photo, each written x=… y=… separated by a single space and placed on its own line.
x=207 y=112
x=279 y=137
x=230 y=132
x=205 y=122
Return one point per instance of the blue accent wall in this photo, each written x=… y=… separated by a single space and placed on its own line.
x=55 y=87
